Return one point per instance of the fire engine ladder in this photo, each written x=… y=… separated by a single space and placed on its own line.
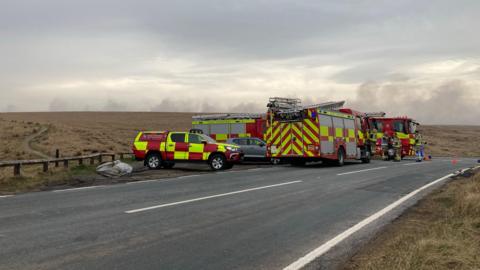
x=375 y=114
x=227 y=116
x=279 y=103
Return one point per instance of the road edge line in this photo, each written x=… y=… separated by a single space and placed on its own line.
x=325 y=247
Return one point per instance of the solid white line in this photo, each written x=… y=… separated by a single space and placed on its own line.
x=414 y=163
x=209 y=197
x=302 y=262
x=188 y=176
x=75 y=189
x=5 y=196
x=143 y=181
x=372 y=169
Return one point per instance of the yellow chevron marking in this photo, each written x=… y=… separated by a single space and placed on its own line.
x=312 y=125
x=296 y=150
x=286 y=151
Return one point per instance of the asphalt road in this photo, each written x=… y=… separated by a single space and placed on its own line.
x=253 y=219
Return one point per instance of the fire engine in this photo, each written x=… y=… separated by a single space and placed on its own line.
x=403 y=128
x=299 y=134
x=235 y=125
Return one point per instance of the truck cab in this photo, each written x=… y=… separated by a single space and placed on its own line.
x=164 y=148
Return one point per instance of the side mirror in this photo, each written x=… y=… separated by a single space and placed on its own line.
x=204 y=142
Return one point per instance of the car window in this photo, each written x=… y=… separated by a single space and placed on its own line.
x=254 y=142
x=177 y=137
x=194 y=138
x=240 y=141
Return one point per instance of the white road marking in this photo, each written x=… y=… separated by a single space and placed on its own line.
x=372 y=169
x=302 y=262
x=413 y=163
x=75 y=189
x=5 y=196
x=143 y=181
x=209 y=197
x=188 y=176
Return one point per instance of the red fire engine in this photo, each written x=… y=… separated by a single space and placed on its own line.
x=235 y=125
x=403 y=128
x=298 y=134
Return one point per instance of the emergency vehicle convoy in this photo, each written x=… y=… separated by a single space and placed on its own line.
x=164 y=148
x=222 y=127
x=299 y=134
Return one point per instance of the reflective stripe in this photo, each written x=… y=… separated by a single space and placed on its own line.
x=339 y=132
x=336 y=114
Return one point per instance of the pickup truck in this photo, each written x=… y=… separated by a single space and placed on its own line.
x=164 y=148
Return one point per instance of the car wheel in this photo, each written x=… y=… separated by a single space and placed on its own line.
x=340 y=157
x=217 y=162
x=154 y=161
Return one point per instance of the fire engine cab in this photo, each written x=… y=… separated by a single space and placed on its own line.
x=299 y=134
x=403 y=128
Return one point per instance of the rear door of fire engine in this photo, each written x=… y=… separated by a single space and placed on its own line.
x=291 y=138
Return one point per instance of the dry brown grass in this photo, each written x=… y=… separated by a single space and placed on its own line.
x=461 y=141
x=441 y=232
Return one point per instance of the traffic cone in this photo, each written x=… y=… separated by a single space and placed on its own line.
x=454 y=161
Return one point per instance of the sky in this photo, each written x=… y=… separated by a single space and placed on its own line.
x=415 y=58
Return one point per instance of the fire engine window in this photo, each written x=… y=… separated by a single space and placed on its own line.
x=358 y=121
x=238 y=128
x=413 y=127
x=204 y=128
x=398 y=126
x=378 y=126
x=177 y=137
x=194 y=138
x=219 y=129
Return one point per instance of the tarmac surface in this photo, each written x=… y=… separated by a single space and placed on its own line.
x=260 y=218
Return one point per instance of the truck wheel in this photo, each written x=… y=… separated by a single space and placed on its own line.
x=367 y=157
x=217 y=162
x=154 y=161
x=340 y=157
x=275 y=161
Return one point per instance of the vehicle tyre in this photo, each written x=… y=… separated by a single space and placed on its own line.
x=340 y=157
x=275 y=161
x=168 y=165
x=367 y=157
x=154 y=161
x=217 y=162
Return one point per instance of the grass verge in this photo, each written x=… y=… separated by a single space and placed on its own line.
x=32 y=180
x=441 y=232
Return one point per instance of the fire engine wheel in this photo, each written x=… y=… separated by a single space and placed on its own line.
x=154 y=161
x=217 y=162
x=340 y=157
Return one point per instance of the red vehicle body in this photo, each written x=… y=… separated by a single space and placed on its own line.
x=403 y=128
x=222 y=127
x=164 y=148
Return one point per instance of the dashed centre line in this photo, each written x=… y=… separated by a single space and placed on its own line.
x=5 y=196
x=366 y=170
x=75 y=189
x=209 y=197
